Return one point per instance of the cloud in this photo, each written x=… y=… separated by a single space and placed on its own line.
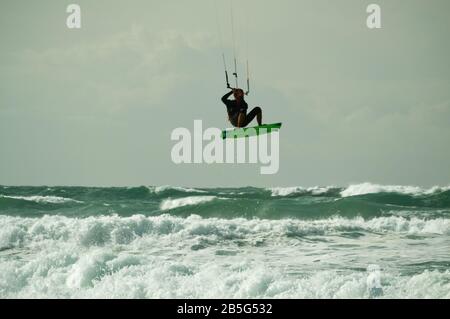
x=119 y=72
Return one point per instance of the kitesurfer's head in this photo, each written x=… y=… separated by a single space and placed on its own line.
x=238 y=94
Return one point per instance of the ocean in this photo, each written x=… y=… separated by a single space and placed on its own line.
x=359 y=241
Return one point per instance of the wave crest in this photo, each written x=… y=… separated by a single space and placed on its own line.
x=43 y=199
x=169 y=204
x=287 y=191
x=98 y=231
x=167 y=188
x=369 y=188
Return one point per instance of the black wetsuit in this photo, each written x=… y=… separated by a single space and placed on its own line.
x=234 y=109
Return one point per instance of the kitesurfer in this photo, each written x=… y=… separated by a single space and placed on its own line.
x=237 y=109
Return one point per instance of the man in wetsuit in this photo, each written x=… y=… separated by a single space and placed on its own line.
x=237 y=109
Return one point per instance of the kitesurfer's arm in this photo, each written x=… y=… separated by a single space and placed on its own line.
x=226 y=96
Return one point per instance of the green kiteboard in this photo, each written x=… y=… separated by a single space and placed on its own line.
x=251 y=131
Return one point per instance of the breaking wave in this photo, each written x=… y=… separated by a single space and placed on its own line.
x=361 y=241
x=43 y=199
x=185 y=201
x=172 y=257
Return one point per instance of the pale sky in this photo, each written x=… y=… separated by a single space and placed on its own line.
x=96 y=106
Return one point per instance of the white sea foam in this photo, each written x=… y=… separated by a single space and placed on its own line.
x=185 y=201
x=436 y=189
x=44 y=199
x=98 y=231
x=171 y=257
x=104 y=274
x=286 y=191
x=160 y=189
x=368 y=188
x=358 y=189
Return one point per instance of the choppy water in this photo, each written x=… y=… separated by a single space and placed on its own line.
x=361 y=241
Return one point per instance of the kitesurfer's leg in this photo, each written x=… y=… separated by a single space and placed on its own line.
x=250 y=116
x=241 y=120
